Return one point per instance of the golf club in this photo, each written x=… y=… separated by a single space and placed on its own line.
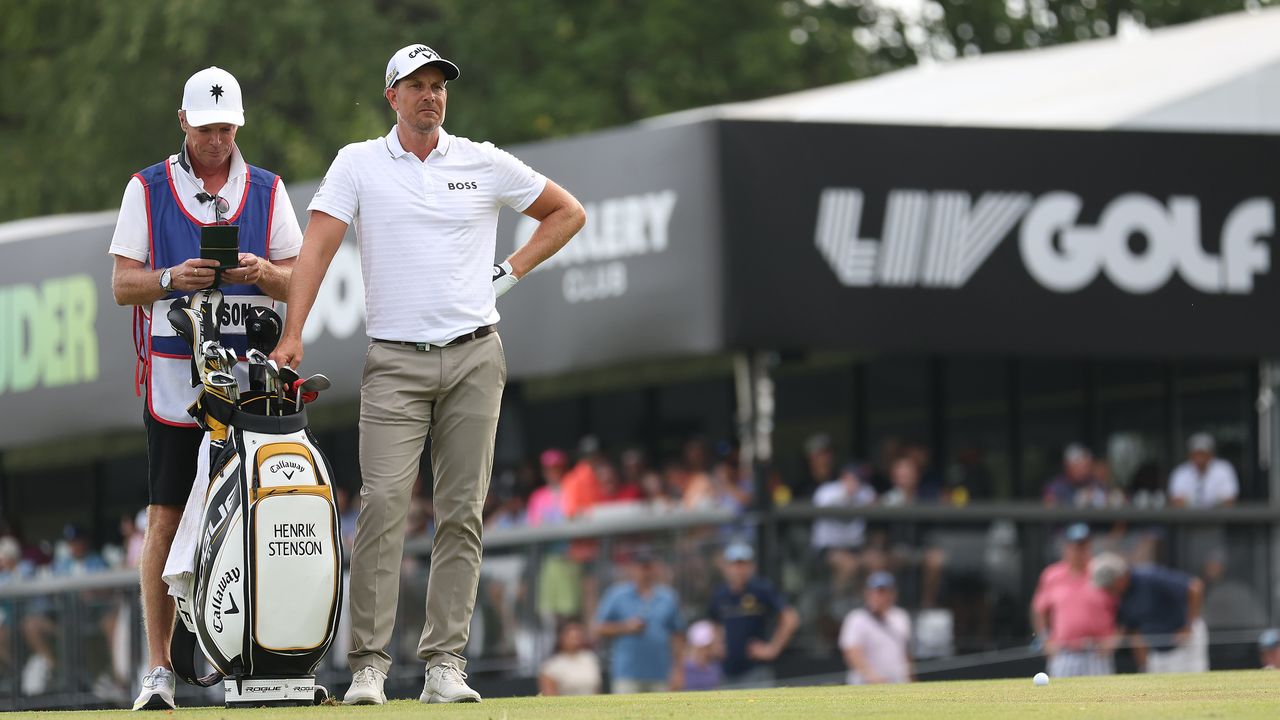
x=210 y=359
x=262 y=330
x=316 y=383
x=181 y=320
x=288 y=380
x=273 y=381
x=257 y=369
x=226 y=382
x=210 y=313
x=228 y=357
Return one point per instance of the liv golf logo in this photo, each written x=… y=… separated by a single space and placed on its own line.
x=939 y=239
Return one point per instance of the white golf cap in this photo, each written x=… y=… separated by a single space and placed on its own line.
x=411 y=57
x=213 y=96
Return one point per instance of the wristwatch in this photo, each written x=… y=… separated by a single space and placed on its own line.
x=166 y=280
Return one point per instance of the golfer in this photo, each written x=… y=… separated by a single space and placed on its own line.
x=425 y=204
x=157 y=260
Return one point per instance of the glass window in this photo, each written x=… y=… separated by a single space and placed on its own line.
x=697 y=408
x=977 y=428
x=1132 y=424
x=620 y=419
x=812 y=399
x=554 y=422
x=1051 y=398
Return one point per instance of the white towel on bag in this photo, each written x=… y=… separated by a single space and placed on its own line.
x=180 y=567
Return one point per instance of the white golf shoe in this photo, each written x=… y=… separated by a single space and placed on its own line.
x=366 y=688
x=447 y=684
x=158 y=687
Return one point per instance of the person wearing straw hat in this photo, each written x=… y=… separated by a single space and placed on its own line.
x=425 y=205
x=156 y=251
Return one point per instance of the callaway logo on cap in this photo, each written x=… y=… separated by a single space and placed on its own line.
x=411 y=57
x=212 y=96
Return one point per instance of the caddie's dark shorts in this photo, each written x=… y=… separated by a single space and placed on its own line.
x=171 y=460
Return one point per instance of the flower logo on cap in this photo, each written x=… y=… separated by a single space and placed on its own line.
x=216 y=92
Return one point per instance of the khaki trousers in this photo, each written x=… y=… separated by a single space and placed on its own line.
x=454 y=394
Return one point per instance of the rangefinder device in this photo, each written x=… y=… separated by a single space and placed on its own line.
x=221 y=243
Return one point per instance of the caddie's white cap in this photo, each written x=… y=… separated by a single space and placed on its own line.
x=213 y=96
x=411 y=57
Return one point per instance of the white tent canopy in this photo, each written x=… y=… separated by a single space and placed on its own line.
x=1217 y=75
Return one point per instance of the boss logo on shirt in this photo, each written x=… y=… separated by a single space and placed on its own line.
x=468 y=185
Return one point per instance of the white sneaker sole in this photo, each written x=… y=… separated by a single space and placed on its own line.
x=364 y=701
x=156 y=701
x=433 y=698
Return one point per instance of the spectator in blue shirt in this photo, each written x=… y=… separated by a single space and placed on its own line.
x=1077 y=485
x=753 y=618
x=642 y=619
x=1160 y=609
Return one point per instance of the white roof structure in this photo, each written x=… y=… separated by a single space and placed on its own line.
x=1216 y=75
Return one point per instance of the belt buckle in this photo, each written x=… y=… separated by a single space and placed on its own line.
x=422 y=347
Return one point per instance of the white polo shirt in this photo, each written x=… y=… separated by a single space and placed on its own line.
x=132 y=239
x=883 y=643
x=427 y=231
x=1217 y=485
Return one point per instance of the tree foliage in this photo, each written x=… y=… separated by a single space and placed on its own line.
x=89 y=90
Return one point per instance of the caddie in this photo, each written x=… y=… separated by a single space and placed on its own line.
x=156 y=249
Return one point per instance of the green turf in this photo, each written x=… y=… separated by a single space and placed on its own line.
x=1130 y=697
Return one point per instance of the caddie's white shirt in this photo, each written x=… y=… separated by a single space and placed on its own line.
x=1216 y=486
x=426 y=230
x=132 y=239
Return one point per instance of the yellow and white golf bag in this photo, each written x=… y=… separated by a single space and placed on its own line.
x=267 y=589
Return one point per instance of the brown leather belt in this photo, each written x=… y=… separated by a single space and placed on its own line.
x=425 y=347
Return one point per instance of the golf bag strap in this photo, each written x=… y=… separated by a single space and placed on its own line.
x=183 y=649
x=227 y=414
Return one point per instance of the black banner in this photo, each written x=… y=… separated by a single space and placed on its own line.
x=950 y=239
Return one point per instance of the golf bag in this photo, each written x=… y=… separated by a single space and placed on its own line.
x=268 y=569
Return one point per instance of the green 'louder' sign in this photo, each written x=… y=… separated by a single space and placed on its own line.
x=47 y=336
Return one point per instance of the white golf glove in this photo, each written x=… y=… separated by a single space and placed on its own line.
x=504 y=278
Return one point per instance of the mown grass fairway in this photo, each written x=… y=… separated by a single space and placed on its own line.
x=1230 y=695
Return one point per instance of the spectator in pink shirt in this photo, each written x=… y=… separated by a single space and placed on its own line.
x=1077 y=619
x=546 y=504
x=559 y=577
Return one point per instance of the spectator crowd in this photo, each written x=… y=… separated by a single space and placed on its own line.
x=616 y=619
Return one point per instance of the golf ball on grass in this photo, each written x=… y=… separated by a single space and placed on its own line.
x=1040 y=679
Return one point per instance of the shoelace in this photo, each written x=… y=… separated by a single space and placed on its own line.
x=365 y=676
x=155 y=677
x=452 y=670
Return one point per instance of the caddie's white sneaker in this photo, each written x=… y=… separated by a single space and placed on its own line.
x=366 y=688
x=447 y=684
x=157 y=690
